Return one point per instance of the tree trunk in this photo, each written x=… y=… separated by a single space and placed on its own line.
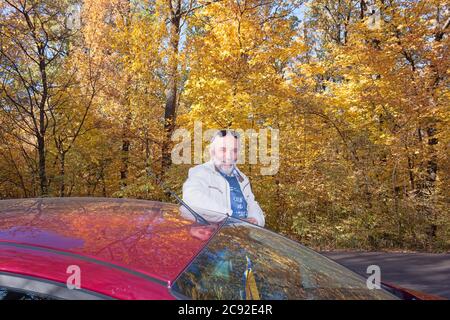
x=62 y=187
x=42 y=172
x=125 y=150
x=42 y=119
x=172 y=89
x=128 y=116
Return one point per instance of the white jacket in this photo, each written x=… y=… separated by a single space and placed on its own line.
x=208 y=192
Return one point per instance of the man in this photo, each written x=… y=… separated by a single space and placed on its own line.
x=218 y=188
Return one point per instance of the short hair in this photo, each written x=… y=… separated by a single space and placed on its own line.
x=222 y=134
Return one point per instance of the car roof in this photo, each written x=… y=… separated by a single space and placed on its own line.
x=143 y=236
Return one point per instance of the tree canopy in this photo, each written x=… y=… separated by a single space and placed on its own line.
x=92 y=92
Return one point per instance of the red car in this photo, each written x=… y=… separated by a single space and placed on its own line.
x=103 y=248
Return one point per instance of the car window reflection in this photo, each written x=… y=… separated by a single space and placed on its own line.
x=247 y=262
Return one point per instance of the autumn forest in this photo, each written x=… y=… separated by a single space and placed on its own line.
x=92 y=91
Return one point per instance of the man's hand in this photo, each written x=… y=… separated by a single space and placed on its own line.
x=202 y=232
x=252 y=220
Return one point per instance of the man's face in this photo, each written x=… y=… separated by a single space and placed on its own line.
x=225 y=153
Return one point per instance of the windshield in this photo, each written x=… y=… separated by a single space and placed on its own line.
x=247 y=262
